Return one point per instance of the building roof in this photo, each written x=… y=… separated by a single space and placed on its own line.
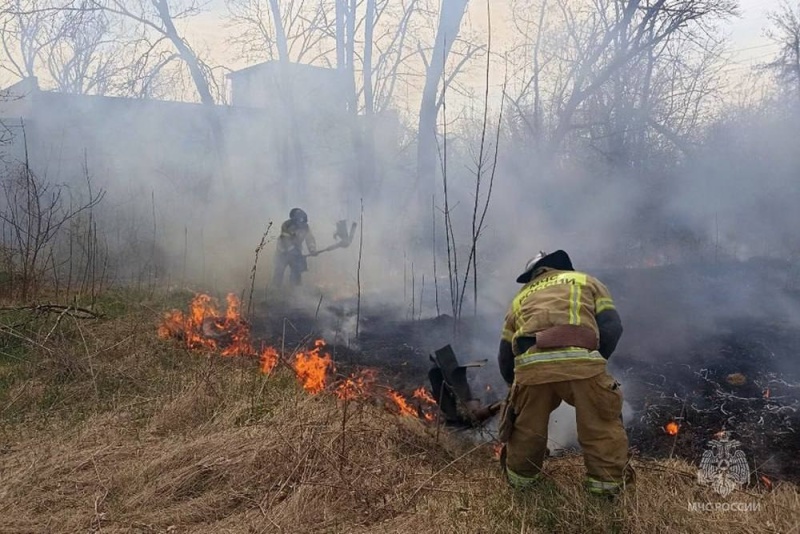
x=266 y=66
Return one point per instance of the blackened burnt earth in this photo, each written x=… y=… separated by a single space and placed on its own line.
x=711 y=347
x=398 y=347
x=729 y=382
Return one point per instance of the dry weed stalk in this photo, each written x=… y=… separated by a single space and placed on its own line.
x=259 y=248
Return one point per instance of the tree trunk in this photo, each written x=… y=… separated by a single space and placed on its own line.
x=367 y=167
x=450 y=16
x=280 y=31
x=369 y=30
x=341 y=8
x=186 y=53
x=292 y=160
x=200 y=83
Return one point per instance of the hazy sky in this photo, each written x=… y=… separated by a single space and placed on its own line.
x=746 y=33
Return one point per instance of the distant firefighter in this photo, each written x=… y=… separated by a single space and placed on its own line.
x=559 y=331
x=294 y=232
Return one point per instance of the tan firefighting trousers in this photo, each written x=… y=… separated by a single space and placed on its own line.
x=598 y=408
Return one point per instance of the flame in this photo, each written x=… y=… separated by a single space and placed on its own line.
x=672 y=428
x=203 y=327
x=201 y=308
x=766 y=393
x=268 y=359
x=356 y=386
x=497 y=450
x=312 y=369
x=428 y=404
x=401 y=403
x=421 y=394
x=232 y=313
x=172 y=325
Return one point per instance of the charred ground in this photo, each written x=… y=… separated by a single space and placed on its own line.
x=711 y=347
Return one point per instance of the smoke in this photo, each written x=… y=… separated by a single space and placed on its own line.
x=187 y=204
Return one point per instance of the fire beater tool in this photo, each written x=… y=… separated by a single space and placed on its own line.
x=452 y=392
x=343 y=237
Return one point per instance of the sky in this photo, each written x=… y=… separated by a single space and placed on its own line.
x=748 y=43
x=746 y=33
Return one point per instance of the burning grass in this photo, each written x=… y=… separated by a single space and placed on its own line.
x=107 y=428
x=205 y=327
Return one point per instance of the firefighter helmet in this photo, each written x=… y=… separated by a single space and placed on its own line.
x=555 y=260
x=298 y=215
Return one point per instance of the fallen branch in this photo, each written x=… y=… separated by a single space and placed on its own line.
x=72 y=311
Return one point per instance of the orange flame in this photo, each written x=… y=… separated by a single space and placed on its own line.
x=497 y=450
x=232 y=313
x=201 y=308
x=172 y=325
x=421 y=394
x=203 y=327
x=268 y=360
x=672 y=428
x=356 y=386
x=312 y=369
x=401 y=403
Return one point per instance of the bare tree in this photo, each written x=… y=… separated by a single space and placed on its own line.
x=23 y=38
x=615 y=69
x=296 y=30
x=450 y=16
x=786 y=33
x=34 y=215
x=623 y=31
x=76 y=49
x=159 y=16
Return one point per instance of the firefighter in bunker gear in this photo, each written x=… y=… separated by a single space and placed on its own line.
x=294 y=232
x=560 y=329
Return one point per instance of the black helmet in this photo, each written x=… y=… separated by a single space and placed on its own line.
x=555 y=260
x=298 y=215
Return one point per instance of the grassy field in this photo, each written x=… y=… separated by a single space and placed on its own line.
x=106 y=428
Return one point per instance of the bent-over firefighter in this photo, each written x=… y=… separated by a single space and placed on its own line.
x=559 y=331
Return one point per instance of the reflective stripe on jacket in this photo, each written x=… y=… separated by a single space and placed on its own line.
x=556 y=298
x=569 y=354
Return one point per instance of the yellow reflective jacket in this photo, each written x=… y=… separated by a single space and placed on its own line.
x=556 y=298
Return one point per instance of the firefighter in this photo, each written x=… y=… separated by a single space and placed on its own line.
x=559 y=331
x=294 y=232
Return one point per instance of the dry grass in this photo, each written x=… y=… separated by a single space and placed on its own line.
x=107 y=429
